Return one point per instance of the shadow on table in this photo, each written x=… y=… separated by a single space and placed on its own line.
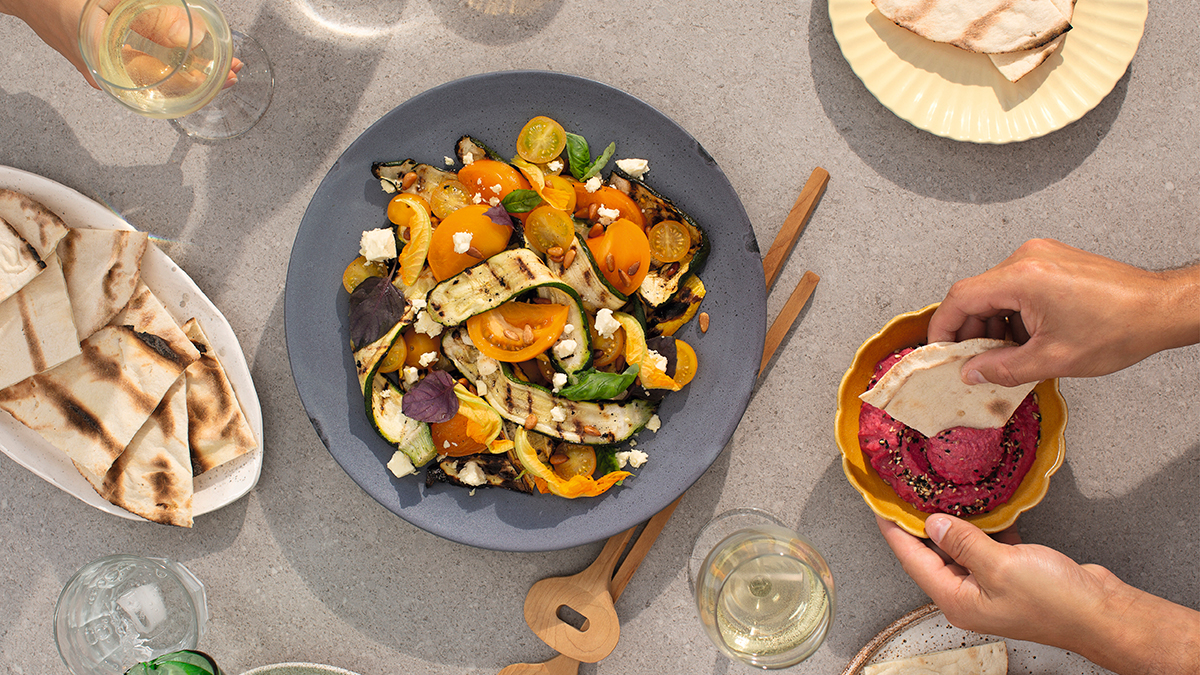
x=1148 y=538
x=939 y=167
x=496 y=22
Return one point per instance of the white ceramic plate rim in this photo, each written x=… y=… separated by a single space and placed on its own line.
x=215 y=488
x=960 y=95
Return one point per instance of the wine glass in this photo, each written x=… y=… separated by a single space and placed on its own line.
x=173 y=59
x=764 y=595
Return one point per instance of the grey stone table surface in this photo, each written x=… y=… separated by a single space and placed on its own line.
x=307 y=567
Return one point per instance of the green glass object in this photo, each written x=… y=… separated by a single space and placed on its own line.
x=186 y=662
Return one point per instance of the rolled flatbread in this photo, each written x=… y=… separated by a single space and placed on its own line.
x=984 y=26
x=217 y=428
x=987 y=659
x=36 y=224
x=924 y=390
x=102 y=271
x=19 y=263
x=153 y=476
x=33 y=324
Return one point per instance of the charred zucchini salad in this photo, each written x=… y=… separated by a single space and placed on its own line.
x=512 y=325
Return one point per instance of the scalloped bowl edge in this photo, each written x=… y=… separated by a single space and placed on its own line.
x=910 y=329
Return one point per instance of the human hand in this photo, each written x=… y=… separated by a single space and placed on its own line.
x=1075 y=314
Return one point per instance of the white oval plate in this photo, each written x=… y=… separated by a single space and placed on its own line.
x=957 y=94
x=215 y=488
x=925 y=630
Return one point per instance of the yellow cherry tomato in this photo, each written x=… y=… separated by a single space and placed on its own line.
x=395 y=357
x=541 y=140
x=448 y=197
x=359 y=270
x=669 y=241
x=547 y=227
x=417 y=345
x=686 y=363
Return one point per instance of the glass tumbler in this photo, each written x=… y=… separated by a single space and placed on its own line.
x=120 y=610
x=764 y=595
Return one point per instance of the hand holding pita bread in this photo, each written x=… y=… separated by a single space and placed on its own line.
x=1028 y=592
x=1076 y=314
x=56 y=22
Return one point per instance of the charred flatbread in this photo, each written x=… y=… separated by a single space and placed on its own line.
x=153 y=476
x=1016 y=65
x=983 y=26
x=986 y=659
x=217 y=428
x=925 y=391
x=146 y=313
x=33 y=324
x=102 y=270
x=19 y=263
x=36 y=224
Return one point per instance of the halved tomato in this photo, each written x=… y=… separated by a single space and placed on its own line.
x=448 y=197
x=517 y=331
x=450 y=438
x=487 y=239
x=669 y=241
x=623 y=255
x=402 y=208
x=547 y=227
x=488 y=179
x=541 y=140
x=686 y=363
x=417 y=345
x=395 y=357
x=609 y=198
x=359 y=270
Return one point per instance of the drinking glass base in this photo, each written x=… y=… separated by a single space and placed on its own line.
x=237 y=109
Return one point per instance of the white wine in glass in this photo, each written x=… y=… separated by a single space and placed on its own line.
x=177 y=59
x=763 y=593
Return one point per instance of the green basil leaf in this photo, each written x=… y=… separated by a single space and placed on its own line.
x=521 y=201
x=597 y=385
x=579 y=156
x=601 y=161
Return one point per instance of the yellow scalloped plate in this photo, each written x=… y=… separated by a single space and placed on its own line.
x=908 y=330
x=957 y=94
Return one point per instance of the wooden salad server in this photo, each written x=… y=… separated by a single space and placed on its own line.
x=587 y=592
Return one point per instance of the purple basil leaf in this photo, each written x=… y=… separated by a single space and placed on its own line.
x=432 y=400
x=665 y=346
x=375 y=306
x=499 y=215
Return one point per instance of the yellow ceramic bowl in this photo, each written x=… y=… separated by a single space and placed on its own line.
x=907 y=330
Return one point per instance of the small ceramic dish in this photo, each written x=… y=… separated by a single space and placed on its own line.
x=908 y=330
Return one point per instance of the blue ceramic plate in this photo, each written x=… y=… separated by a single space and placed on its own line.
x=697 y=421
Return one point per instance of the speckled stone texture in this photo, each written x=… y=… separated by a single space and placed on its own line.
x=307 y=567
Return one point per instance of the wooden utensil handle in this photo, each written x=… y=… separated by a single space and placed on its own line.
x=787 y=315
x=602 y=566
x=794 y=224
x=640 y=548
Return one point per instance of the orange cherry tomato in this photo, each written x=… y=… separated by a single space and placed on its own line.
x=547 y=227
x=395 y=357
x=609 y=198
x=450 y=438
x=488 y=179
x=359 y=270
x=517 y=331
x=487 y=238
x=685 y=363
x=623 y=255
x=669 y=241
x=541 y=140
x=448 y=197
x=416 y=345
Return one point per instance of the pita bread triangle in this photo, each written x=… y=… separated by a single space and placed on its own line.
x=91 y=405
x=19 y=263
x=1016 y=65
x=217 y=428
x=924 y=390
x=33 y=322
x=102 y=269
x=985 y=659
x=36 y=224
x=983 y=26
x=153 y=476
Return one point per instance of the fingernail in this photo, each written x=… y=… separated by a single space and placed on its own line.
x=936 y=526
x=975 y=377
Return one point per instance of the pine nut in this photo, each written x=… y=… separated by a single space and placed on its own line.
x=610 y=262
x=408 y=180
x=633 y=269
x=568 y=258
x=703 y=322
x=475 y=253
x=596 y=231
x=530 y=422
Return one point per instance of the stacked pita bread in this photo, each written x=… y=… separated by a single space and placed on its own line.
x=1017 y=35
x=985 y=659
x=92 y=361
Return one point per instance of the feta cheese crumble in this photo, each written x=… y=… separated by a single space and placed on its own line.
x=400 y=465
x=555 y=165
x=468 y=158
x=427 y=325
x=607 y=215
x=462 y=242
x=568 y=329
x=378 y=244
x=560 y=381
x=481 y=387
x=411 y=375
x=633 y=458
x=449 y=161
x=565 y=348
x=472 y=475
x=636 y=168
x=654 y=424
x=428 y=358
x=593 y=184
x=657 y=360
x=487 y=365
x=557 y=414
x=606 y=325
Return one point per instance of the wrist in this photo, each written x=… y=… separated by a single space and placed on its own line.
x=1136 y=633
x=1177 y=302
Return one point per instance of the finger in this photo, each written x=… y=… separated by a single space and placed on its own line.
x=1009 y=535
x=968 y=545
x=973 y=327
x=981 y=296
x=997 y=327
x=921 y=562
x=1006 y=366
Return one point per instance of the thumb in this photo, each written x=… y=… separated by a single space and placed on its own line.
x=968 y=545
x=1005 y=366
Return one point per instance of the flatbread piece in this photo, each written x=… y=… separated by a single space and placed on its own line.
x=987 y=659
x=36 y=224
x=102 y=268
x=217 y=428
x=983 y=26
x=1015 y=65
x=925 y=391
x=33 y=324
x=19 y=263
